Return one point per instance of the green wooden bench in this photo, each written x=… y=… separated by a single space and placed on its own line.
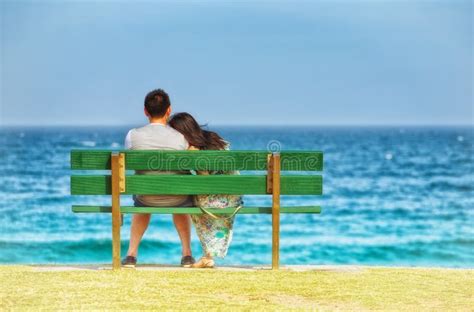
x=117 y=183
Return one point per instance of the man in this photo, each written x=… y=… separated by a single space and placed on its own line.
x=157 y=135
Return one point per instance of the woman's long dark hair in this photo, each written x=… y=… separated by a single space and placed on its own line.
x=195 y=134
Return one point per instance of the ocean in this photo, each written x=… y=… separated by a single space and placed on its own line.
x=394 y=196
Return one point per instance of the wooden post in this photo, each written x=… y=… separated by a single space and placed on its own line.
x=118 y=186
x=273 y=187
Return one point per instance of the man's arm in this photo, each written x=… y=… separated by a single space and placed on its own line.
x=128 y=140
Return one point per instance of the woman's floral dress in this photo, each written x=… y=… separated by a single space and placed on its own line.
x=215 y=234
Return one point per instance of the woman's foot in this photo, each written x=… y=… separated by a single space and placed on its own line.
x=204 y=263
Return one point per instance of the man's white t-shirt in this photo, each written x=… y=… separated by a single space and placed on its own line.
x=156 y=136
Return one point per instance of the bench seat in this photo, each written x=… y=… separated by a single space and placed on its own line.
x=193 y=210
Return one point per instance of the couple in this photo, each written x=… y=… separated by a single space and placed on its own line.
x=180 y=132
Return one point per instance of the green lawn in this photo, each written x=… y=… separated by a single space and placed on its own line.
x=27 y=288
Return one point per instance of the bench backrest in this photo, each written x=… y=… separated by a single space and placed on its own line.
x=293 y=184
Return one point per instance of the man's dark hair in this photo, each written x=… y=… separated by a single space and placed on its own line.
x=157 y=103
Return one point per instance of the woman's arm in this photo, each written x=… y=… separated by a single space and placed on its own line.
x=202 y=172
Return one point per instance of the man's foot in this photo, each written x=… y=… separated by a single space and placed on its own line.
x=129 y=262
x=204 y=263
x=187 y=261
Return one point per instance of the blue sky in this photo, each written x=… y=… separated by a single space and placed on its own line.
x=239 y=62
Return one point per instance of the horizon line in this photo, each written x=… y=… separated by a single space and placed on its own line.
x=241 y=125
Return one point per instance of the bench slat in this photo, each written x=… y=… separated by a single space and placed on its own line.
x=196 y=184
x=194 y=210
x=196 y=160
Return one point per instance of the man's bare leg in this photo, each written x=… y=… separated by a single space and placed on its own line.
x=183 y=226
x=139 y=225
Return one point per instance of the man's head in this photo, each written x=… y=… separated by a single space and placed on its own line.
x=157 y=104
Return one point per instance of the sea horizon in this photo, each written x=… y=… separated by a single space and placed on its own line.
x=27 y=126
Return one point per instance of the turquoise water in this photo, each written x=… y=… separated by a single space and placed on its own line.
x=393 y=196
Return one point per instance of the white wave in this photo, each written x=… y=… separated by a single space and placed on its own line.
x=88 y=143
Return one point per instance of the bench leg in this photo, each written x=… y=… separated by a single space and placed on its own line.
x=275 y=172
x=116 y=163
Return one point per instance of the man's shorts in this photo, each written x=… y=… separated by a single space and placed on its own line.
x=138 y=203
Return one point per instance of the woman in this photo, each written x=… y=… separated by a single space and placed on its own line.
x=215 y=233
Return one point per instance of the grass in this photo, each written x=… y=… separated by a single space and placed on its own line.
x=416 y=289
